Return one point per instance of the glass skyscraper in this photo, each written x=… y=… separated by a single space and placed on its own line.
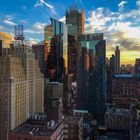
x=92 y=76
x=57 y=61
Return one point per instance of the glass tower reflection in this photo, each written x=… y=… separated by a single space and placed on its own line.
x=57 y=62
x=92 y=76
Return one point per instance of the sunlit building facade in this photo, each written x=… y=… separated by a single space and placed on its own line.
x=21 y=86
x=6 y=39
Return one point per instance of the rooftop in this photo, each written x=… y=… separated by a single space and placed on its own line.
x=72 y=119
x=126 y=75
x=118 y=111
x=38 y=125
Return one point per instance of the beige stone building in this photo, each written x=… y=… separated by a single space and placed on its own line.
x=21 y=88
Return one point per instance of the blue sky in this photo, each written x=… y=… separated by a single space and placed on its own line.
x=118 y=19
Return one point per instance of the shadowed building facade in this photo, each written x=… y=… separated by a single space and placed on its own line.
x=75 y=21
x=92 y=76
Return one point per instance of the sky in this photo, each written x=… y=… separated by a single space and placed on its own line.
x=119 y=20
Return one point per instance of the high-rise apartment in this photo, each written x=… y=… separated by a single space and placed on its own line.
x=21 y=86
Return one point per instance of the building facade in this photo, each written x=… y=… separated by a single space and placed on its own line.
x=118 y=119
x=21 y=86
x=73 y=129
x=125 y=90
x=53 y=100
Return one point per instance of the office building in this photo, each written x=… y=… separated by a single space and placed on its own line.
x=75 y=22
x=117 y=60
x=125 y=90
x=57 y=60
x=21 y=86
x=92 y=76
x=38 y=127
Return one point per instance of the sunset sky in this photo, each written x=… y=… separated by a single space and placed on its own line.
x=119 y=20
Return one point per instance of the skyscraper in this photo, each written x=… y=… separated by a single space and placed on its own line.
x=21 y=86
x=117 y=60
x=92 y=75
x=57 y=60
x=75 y=21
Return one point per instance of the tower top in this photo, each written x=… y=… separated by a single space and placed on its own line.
x=117 y=47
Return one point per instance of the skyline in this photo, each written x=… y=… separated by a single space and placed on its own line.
x=118 y=20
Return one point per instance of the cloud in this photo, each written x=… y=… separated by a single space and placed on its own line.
x=121 y=5
x=1 y=27
x=31 y=41
x=37 y=28
x=23 y=21
x=42 y=2
x=120 y=28
x=8 y=20
x=63 y=19
x=10 y=23
x=9 y=17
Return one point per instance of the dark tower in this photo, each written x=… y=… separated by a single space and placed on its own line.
x=117 y=60
x=75 y=21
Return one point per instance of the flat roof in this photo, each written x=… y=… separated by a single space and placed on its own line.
x=118 y=111
x=126 y=75
x=36 y=126
x=123 y=75
x=72 y=119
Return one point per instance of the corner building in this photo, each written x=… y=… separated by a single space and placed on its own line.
x=21 y=86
